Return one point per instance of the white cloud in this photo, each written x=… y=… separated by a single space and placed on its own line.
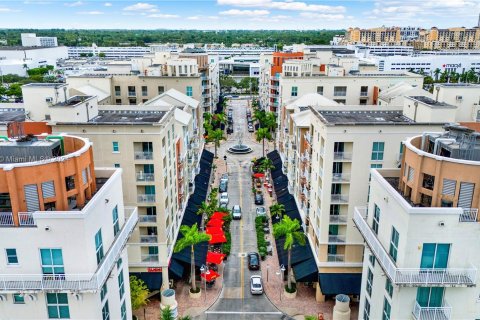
x=6 y=10
x=237 y=12
x=193 y=18
x=92 y=13
x=283 y=5
x=163 y=16
x=322 y=16
x=74 y=4
x=107 y=4
x=141 y=6
x=244 y=3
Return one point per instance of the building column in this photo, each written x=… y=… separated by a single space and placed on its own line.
x=14 y=195
x=165 y=279
x=319 y=296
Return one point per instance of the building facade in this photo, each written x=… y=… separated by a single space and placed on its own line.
x=31 y=40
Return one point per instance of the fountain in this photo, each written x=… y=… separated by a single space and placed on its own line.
x=239 y=148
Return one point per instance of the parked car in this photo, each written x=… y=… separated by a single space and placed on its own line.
x=256 y=286
x=250 y=128
x=261 y=211
x=253 y=261
x=236 y=212
x=258 y=199
x=224 y=198
x=224 y=177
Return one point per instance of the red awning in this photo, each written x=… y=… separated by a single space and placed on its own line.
x=217 y=238
x=258 y=175
x=218 y=215
x=213 y=257
x=211 y=275
x=214 y=230
x=215 y=223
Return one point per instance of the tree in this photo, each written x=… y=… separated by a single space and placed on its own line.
x=277 y=209
x=259 y=115
x=191 y=237
x=261 y=135
x=266 y=165
x=216 y=136
x=270 y=122
x=15 y=90
x=204 y=208
x=138 y=293
x=101 y=54
x=166 y=314
x=436 y=73
x=219 y=118
x=227 y=82
x=289 y=229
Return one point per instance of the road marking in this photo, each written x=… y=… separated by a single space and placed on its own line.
x=242 y=279
x=245 y=312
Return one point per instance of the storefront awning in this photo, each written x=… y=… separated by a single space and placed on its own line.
x=175 y=269
x=336 y=283
x=218 y=238
x=218 y=215
x=306 y=271
x=214 y=257
x=210 y=275
x=215 y=223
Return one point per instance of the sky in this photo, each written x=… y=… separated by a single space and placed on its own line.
x=237 y=14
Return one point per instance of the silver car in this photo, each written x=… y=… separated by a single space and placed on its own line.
x=223 y=198
x=236 y=212
x=256 y=286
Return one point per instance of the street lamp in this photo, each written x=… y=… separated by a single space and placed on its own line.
x=280 y=291
x=268 y=268
x=282 y=268
x=204 y=270
x=226 y=168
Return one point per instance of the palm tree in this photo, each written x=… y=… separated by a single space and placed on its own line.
x=266 y=164
x=261 y=135
x=277 y=209
x=219 y=118
x=204 y=208
x=289 y=229
x=191 y=237
x=436 y=73
x=259 y=115
x=271 y=124
x=216 y=136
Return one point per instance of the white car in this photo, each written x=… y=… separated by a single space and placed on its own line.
x=256 y=286
x=223 y=198
x=236 y=212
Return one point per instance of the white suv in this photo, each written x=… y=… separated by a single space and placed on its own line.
x=236 y=212
x=223 y=198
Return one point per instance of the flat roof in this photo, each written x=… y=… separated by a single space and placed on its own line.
x=432 y=103
x=73 y=101
x=11 y=115
x=45 y=85
x=457 y=85
x=336 y=117
x=126 y=117
x=17 y=48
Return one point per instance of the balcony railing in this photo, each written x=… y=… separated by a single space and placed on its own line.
x=336 y=238
x=141 y=176
x=341 y=198
x=335 y=257
x=411 y=276
x=322 y=152
x=338 y=219
x=308 y=138
x=147 y=218
x=432 y=313
x=74 y=282
x=469 y=215
x=143 y=155
x=26 y=219
x=341 y=176
x=149 y=239
x=146 y=198
x=6 y=219
x=342 y=156
x=305 y=157
x=149 y=257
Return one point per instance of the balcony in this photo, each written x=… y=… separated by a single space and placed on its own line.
x=432 y=313
x=336 y=239
x=305 y=157
x=147 y=218
x=335 y=257
x=339 y=198
x=143 y=155
x=308 y=138
x=469 y=215
x=420 y=277
x=148 y=239
x=321 y=152
x=74 y=282
x=142 y=198
x=6 y=219
x=340 y=177
x=338 y=219
x=342 y=156
x=149 y=257
x=141 y=176
x=363 y=93
x=25 y=219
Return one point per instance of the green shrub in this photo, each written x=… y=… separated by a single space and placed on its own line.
x=294 y=288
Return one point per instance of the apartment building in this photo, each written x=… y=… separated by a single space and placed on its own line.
x=450 y=38
x=110 y=52
x=31 y=40
x=465 y=96
x=64 y=230
x=421 y=231
x=374 y=36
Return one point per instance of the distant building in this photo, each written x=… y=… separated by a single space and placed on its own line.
x=31 y=40
x=17 y=60
x=109 y=52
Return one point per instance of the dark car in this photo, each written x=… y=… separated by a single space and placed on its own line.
x=259 y=198
x=223 y=187
x=253 y=261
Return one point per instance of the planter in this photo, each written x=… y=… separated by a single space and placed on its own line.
x=289 y=295
x=195 y=295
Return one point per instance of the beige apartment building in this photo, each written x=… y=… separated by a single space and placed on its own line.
x=451 y=38
x=374 y=36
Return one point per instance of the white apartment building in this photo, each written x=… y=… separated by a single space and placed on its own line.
x=64 y=230
x=110 y=52
x=14 y=59
x=31 y=40
x=465 y=96
x=421 y=231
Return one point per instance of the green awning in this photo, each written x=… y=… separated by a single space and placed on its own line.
x=337 y=283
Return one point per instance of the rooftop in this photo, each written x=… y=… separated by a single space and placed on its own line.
x=73 y=101
x=12 y=115
x=362 y=117
x=127 y=117
x=458 y=85
x=432 y=103
x=45 y=85
x=28 y=149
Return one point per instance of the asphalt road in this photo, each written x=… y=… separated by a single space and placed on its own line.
x=236 y=301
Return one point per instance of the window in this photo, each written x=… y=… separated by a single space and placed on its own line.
x=116 y=226
x=57 y=306
x=115 y=146
x=363 y=91
x=377 y=151
x=189 y=91
x=144 y=91
x=18 y=299
x=70 y=183
x=104 y=291
x=116 y=165
x=99 y=246
x=117 y=91
x=132 y=101
x=161 y=89
x=105 y=311
x=393 y=251
x=366 y=310
x=369 y=282
x=376 y=219
x=294 y=91
x=123 y=311
x=118 y=101
x=131 y=91
x=371 y=258
x=320 y=90
x=386 y=309
x=11 y=256
x=340 y=101
x=389 y=287
x=376 y=166
x=52 y=261
x=119 y=263
x=121 y=286
x=339 y=91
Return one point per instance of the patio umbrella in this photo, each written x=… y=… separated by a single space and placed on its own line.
x=215 y=223
x=258 y=175
x=213 y=257
x=218 y=215
x=218 y=238
x=210 y=275
x=214 y=230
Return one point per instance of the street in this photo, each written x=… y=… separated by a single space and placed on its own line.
x=236 y=301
